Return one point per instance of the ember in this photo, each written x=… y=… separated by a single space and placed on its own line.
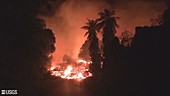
x=75 y=70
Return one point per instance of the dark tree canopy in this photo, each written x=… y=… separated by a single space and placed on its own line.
x=126 y=38
x=84 y=51
x=94 y=50
x=107 y=22
x=25 y=43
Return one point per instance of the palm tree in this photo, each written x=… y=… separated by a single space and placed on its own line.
x=107 y=25
x=94 y=50
x=107 y=22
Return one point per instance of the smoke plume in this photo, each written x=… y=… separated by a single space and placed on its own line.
x=70 y=15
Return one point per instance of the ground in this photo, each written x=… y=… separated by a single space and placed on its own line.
x=56 y=87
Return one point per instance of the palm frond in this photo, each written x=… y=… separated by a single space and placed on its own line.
x=100 y=25
x=89 y=20
x=117 y=18
x=114 y=22
x=101 y=13
x=98 y=20
x=114 y=30
x=116 y=25
x=85 y=27
x=86 y=33
x=112 y=12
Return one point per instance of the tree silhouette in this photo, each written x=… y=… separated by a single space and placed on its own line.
x=111 y=68
x=157 y=21
x=126 y=38
x=150 y=58
x=107 y=22
x=26 y=44
x=166 y=15
x=43 y=47
x=94 y=50
x=84 y=51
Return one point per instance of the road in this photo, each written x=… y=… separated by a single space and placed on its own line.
x=56 y=87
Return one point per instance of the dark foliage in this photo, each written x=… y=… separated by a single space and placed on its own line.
x=25 y=43
x=139 y=70
x=126 y=38
x=84 y=51
x=107 y=22
x=150 y=49
x=111 y=48
x=94 y=50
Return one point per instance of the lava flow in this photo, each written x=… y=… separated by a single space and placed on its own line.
x=73 y=70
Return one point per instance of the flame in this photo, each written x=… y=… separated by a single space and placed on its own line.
x=52 y=68
x=67 y=72
x=78 y=70
x=83 y=61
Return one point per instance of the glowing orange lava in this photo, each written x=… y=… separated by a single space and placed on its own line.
x=76 y=70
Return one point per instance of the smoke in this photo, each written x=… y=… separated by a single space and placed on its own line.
x=138 y=13
x=67 y=23
x=69 y=16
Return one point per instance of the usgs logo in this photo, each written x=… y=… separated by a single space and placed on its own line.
x=9 y=92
